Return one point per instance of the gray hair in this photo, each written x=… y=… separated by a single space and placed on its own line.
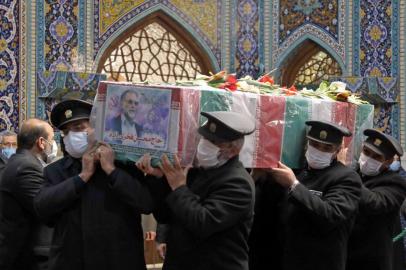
x=7 y=133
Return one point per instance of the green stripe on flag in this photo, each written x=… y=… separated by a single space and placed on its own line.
x=215 y=100
x=364 y=120
x=297 y=112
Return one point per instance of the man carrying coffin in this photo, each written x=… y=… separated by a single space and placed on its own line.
x=93 y=202
x=209 y=209
x=383 y=192
x=310 y=215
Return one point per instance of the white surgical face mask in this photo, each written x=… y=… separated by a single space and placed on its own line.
x=207 y=154
x=51 y=155
x=369 y=166
x=317 y=159
x=76 y=143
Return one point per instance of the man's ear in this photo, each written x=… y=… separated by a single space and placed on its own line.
x=40 y=143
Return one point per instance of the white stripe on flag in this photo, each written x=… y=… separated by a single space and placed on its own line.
x=321 y=110
x=246 y=103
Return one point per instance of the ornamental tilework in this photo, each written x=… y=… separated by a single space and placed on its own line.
x=203 y=16
x=204 y=13
x=383 y=92
x=56 y=86
x=9 y=64
x=247 y=38
x=62 y=85
x=383 y=118
x=376 y=42
x=61 y=42
x=319 y=19
x=376 y=90
x=395 y=121
x=111 y=11
x=321 y=13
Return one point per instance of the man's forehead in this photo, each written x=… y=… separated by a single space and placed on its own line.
x=9 y=137
x=131 y=95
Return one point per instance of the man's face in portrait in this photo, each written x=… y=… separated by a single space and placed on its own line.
x=130 y=105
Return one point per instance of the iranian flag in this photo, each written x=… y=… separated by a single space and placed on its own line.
x=281 y=128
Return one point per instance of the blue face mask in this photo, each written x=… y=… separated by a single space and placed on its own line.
x=8 y=152
x=395 y=166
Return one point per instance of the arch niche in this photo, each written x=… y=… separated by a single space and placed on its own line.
x=155 y=49
x=308 y=64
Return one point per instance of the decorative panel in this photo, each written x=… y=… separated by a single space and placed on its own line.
x=247 y=38
x=61 y=39
x=376 y=50
x=321 y=13
x=203 y=16
x=9 y=64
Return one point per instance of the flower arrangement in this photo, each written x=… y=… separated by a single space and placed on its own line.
x=265 y=84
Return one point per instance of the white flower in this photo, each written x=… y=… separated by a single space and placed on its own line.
x=340 y=86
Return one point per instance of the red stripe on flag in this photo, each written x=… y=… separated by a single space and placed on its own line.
x=189 y=106
x=101 y=91
x=344 y=115
x=269 y=133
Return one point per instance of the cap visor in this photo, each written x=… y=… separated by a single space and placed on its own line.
x=210 y=136
x=72 y=120
x=374 y=148
x=320 y=141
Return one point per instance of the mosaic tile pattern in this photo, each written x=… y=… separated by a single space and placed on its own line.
x=61 y=21
x=321 y=13
x=321 y=20
x=247 y=38
x=203 y=16
x=383 y=118
x=56 y=86
x=376 y=42
x=9 y=64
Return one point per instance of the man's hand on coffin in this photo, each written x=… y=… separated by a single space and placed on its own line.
x=144 y=165
x=88 y=165
x=283 y=175
x=105 y=155
x=174 y=173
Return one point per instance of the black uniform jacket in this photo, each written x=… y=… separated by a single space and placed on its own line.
x=3 y=163
x=371 y=245
x=97 y=224
x=210 y=219
x=309 y=228
x=21 y=181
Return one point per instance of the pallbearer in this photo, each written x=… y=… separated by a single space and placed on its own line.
x=304 y=221
x=383 y=192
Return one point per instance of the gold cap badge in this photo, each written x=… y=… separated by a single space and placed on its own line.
x=377 y=142
x=323 y=135
x=212 y=127
x=68 y=114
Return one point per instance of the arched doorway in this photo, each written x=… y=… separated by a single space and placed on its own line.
x=155 y=50
x=308 y=65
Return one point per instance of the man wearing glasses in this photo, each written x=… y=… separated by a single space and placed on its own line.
x=125 y=125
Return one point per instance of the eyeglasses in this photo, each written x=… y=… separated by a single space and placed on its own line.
x=48 y=142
